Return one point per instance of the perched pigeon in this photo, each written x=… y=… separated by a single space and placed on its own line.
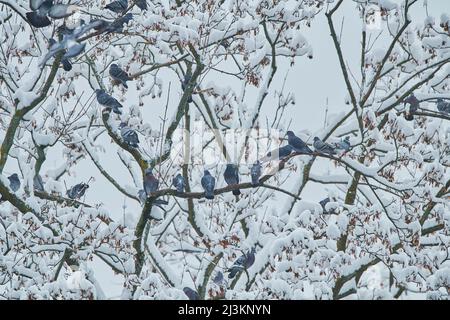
x=38 y=184
x=129 y=136
x=14 y=182
x=280 y=153
x=243 y=262
x=413 y=102
x=208 y=183
x=77 y=191
x=109 y=102
x=231 y=176
x=151 y=184
x=61 y=11
x=323 y=147
x=443 y=106
x=185 y=83
x=343 y=145
x=255 y=172
x=117 y=6
x=323 y=204
x=143 y=197
x=119 y=75
x=38 y=16
x=298 y=144
x=142 y=4
x=191 y=294
x=117 y=25
x=218 y=279
x=178 y=183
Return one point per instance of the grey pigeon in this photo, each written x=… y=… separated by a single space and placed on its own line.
x=298 y=144
x=129 y=136
x=117 y=6
x=443 y=106
x=142 y=4
x=151 y=184
x=243 y=262
x=218 y=279
x=231 y=176
x=323 y=204
x=61 y=11
x=255 y=172
x=279 y=153
x=185 y=83
x=14 y=182
x=117 y=25
x=191 y=294
x=38 y=16
x=77 y=191
x=119 y=75
x=413 y=102
x=343 y=144
x=38 y=184
x=178 y=183
x=323 y=147
x=208 y=183
x=109 y=102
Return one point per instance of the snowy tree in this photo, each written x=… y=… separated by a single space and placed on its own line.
x=199 y=85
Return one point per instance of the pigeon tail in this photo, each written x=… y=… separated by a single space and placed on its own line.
x=236 y=192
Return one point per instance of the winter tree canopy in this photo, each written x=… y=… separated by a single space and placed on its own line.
x=156 y=150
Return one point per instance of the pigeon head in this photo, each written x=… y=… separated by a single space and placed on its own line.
x=99 y=91
x=439 y=100
x=206 y=173
x=290 y=134
x=14 y=176
x=114 y=66
x=347 y=139
x=148 y=171
x=122 y=124
x=316 y=139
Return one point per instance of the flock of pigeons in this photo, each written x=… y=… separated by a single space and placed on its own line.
x=69 y=44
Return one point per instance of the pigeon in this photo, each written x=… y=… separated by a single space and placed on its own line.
x=255 y=172
x=243 y=262
x=38 y=184
x=279 y=153
x=191 y=294
x=109 y=102
x=117 y=6
x=443 y=106
x=129 y=136
x=231 y=176
x=14 y=182
x=413 y=102
x=323 y=204
x=151 y=184
x=117 y=25
x=298 y=144
x=185 y=83
x=61 y=11
x=323 y=147
x=38 y=16
x=142 y=195
x=343 y=145
x=119 y=75
x=77 y=191
x=218 y=279
x=178 y=183
x=208 y=183
x=142 y=4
